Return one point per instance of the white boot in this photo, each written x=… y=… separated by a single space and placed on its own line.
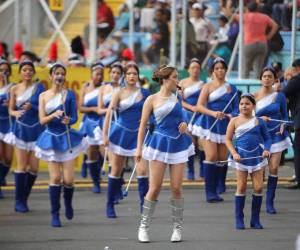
x=148 y=209
x=177 y=216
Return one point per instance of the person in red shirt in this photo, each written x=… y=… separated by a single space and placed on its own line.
x=258 y=30
x=105 y=19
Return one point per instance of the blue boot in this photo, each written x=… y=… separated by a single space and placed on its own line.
x=29 y=182
x=95 y=175
x=84 y=167
x=1 y=194
x=68 y=196
x=239 y=211
x=255 y=211
x=190 y=168
x=143 y=185
x=54 y=193
x=20 y=205
x=271 y=188
x=222 y=173
x=112 y=188
x=211 y=176
x=4 y=169
x=119 y=194
x=201 y=159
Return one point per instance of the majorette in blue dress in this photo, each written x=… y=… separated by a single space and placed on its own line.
x=124 y=130
x=27 y=128
x=217 y=101
x=191 y=96
x=274 y=106
x=91 y=120
x=166 y=143
x=52 y=144
x=6 y=122
x=106 y=100
x=250 y=140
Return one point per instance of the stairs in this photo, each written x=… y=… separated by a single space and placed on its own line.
x=74 y=26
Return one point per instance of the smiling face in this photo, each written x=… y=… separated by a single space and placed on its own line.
x=246 y=107
x=194 y=69
x=58 y=76
x=131 y=76
x=27 y=72
x=267 y=78
x=115 y=74
x=219 y=70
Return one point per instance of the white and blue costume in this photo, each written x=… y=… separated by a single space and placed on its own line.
x=251 y=139
x=217 y=101
x=191 y=96
x=52 y=144
x=166 y=144
x=27 y=128
x=275 y=107
x=5 y=120
x=124 y=130
x=91 y=120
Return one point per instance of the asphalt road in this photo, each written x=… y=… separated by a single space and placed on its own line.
x=206 y=226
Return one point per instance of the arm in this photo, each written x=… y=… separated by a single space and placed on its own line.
x=44 y=119
x=113 y=104
x=73 y=109
x=147 y=109
x=274 y=28
x=202 y=102
x=283 y=107
x=101 y=108
x=81 y=106
x=235 y=104
x=228 y=139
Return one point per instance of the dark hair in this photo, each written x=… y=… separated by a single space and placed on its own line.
x=296 y=63
x=56 y=66
x=163 y=72
x=97 y=65
x=217 y=60
x=132 y=65
x=3 y=61
x=24 y=63
x=196 y=60
x=252 y=7
x=31 y=55
x=268 y=69
x=250 y=97
x=223 y=18
x=117 y=65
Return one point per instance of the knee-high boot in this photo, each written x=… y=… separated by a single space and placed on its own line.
x=143 y=185
x=29 y=182
x=95 y=175
x=270 y=195
x=4 y=169
x=20 y=205
x=84 y=167
x=177 y=216
x=239 y=211
x=54 y=193
x=113 y=186
x=68 y=197
x=211 y=178
x=255 y=211
x=201 y=159
x=222 y=173
x=190 y=168
x=148 y=210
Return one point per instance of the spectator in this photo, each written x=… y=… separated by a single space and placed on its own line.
x=255 y=39
x=147 y=17
x=204 y=29
x=160 y=40
x=4 y=49
x=77 y=57
x=292 y=92
x=222 y=50
x=164 y=5
x=105 y=19
x=282 y=14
